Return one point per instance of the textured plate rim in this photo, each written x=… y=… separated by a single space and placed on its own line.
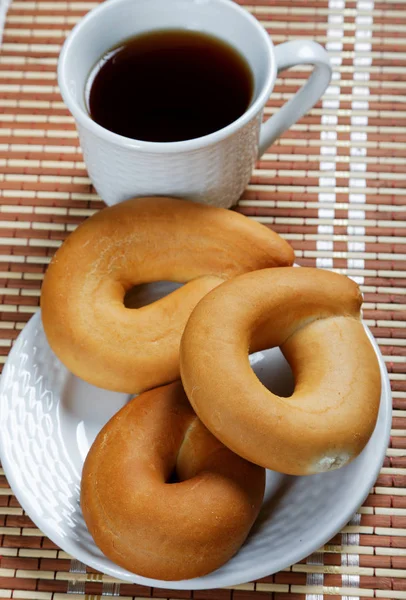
x=254 y=572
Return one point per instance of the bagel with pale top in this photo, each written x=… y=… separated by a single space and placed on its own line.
x=134 y=242
x=314 y=316
x=167 y=530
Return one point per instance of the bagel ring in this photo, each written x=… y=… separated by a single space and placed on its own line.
x=134 y=242
x=314 y=316
x=153 y=528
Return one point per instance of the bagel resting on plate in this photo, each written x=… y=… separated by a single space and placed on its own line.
x=314 y=316
x=153 y=527
x=144 y=240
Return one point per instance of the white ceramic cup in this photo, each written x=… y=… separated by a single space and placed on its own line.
x=214 y=168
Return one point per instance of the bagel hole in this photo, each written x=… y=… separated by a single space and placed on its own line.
x=147 y=293
x=173 y=477
x=273 y=371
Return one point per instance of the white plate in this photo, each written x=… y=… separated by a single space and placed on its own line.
x=49 y=418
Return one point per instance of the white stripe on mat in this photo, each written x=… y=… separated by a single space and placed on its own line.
x=362 y=61
x=76 y=586
x=351 y=560
x=315 y=579
x=328 y=152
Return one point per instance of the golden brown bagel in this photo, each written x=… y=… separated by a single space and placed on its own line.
x=138 y=241
x=161 y=530
x=314 y=316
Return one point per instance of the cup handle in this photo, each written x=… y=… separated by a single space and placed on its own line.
x=288 y=55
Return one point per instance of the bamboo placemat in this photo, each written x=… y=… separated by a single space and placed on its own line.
x=334 y=186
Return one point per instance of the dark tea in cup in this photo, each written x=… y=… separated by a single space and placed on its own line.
x=170 y=85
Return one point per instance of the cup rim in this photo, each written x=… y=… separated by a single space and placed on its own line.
x=84 y=119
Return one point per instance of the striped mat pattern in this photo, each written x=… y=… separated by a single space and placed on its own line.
x=334 y=186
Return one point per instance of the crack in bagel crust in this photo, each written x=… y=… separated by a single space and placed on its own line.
x=139 y=241
x=314 y=316
x=160 y=530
